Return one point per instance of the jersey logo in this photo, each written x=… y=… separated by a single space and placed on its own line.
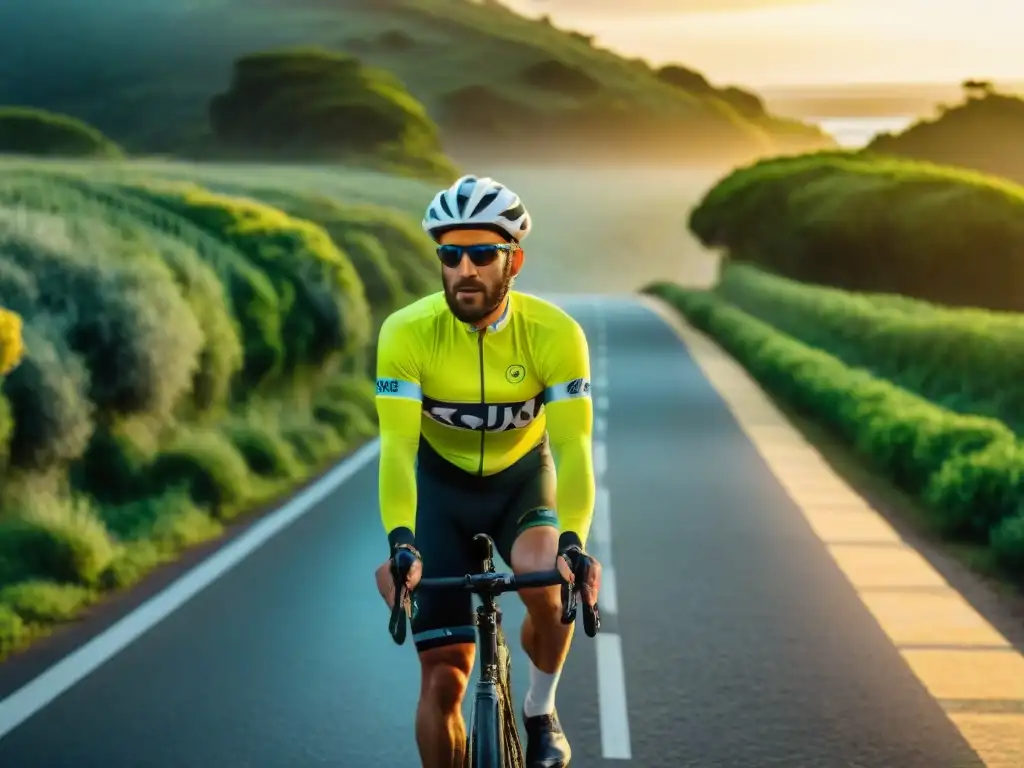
x=577 y=387
x=484 y=417
x=515 y=374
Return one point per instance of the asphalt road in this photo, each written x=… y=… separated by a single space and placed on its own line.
x=742 y=643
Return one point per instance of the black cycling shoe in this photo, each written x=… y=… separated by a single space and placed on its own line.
x=546 y=745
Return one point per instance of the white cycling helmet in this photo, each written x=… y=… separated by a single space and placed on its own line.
x=473 y=202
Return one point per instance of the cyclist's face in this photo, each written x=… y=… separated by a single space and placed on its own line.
x=474 y=292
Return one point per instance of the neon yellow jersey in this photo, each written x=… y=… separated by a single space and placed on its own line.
x=483 y=399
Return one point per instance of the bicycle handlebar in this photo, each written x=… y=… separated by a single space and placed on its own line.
x=492 y=584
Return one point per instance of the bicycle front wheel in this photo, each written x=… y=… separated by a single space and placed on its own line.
x=513 y=747
x=485 y=742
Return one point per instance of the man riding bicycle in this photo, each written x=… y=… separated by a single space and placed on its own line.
x=481 y=393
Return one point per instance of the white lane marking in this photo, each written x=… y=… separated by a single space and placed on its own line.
x=602 y=523
x=600 y=459
x=611 y=671
x=611 y=692
x=36 y=694
x=609 y=591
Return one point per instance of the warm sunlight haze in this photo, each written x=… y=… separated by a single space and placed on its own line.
x=700 y=320
x=790 y=42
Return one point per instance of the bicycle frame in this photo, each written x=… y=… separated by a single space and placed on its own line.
x=486 y=747
x=488 y=732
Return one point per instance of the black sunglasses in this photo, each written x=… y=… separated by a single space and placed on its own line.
x=480 y=255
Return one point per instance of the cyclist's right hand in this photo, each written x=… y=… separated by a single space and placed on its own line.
x=385 y=576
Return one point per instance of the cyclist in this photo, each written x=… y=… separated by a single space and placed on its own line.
x=482 y=392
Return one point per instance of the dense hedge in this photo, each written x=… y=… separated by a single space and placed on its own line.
x=313 y=104
x=869 y=224
x=169 y=358
x=982 y=133
x=967 y=360
x=395 y=259
x=969 y=470
x=26 y=131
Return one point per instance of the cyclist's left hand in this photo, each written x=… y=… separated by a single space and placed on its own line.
x=386 y=582
x=590 y=569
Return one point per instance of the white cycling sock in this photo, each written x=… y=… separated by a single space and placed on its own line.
x=540 y=699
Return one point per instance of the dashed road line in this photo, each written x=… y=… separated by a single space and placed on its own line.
x=611 y=674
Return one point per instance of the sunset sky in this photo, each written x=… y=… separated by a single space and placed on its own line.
x=804 y=42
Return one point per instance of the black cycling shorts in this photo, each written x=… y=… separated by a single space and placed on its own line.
x=452 y=507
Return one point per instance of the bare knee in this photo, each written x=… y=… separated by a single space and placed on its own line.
x=445 y=675
x=535 y=550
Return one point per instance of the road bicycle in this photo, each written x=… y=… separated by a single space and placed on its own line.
x=493 y=740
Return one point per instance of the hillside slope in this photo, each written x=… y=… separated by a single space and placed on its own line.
x=982 y=133
x=144 y=73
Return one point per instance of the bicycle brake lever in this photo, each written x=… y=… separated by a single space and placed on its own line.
x=397 y=625
x=591 y=619
x=568 y=603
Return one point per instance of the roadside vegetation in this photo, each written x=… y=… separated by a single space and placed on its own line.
x=173 y=357
x=146 y=76
x=25 y=131
x=967 y=470
x=311 y=105
x=881 y=297
x=852 y=221
x=981 y=133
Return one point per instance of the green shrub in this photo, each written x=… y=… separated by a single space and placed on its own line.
x=221 y=355
x=12 y=630
x=558 y=76
x=169 y=520
x=351 y=389
x=113 y=468
x=974 y=492
x=206 y=464
x=315 y=443
x=312 y=104
x=54 y=538
x=134 y=561
x=44 y=601
x=479 y=112
x=348 y=419
x=687 y=79
x=52 y=416
x=1007 y=543
x=265 y=451
x=969 y=361
x=396 y=40
x=25 y=131
x=248 y=292
x=322 y=305
x=395 y=259
x=873 y=225
x=128 y=322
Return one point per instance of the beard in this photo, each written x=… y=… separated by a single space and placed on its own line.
x=489 y=298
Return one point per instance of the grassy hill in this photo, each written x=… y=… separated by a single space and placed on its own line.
x=863 y=223
x=42 y=133
x=144 y=73
x=983 y=133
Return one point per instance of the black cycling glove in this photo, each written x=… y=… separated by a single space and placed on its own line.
x=570 y=547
